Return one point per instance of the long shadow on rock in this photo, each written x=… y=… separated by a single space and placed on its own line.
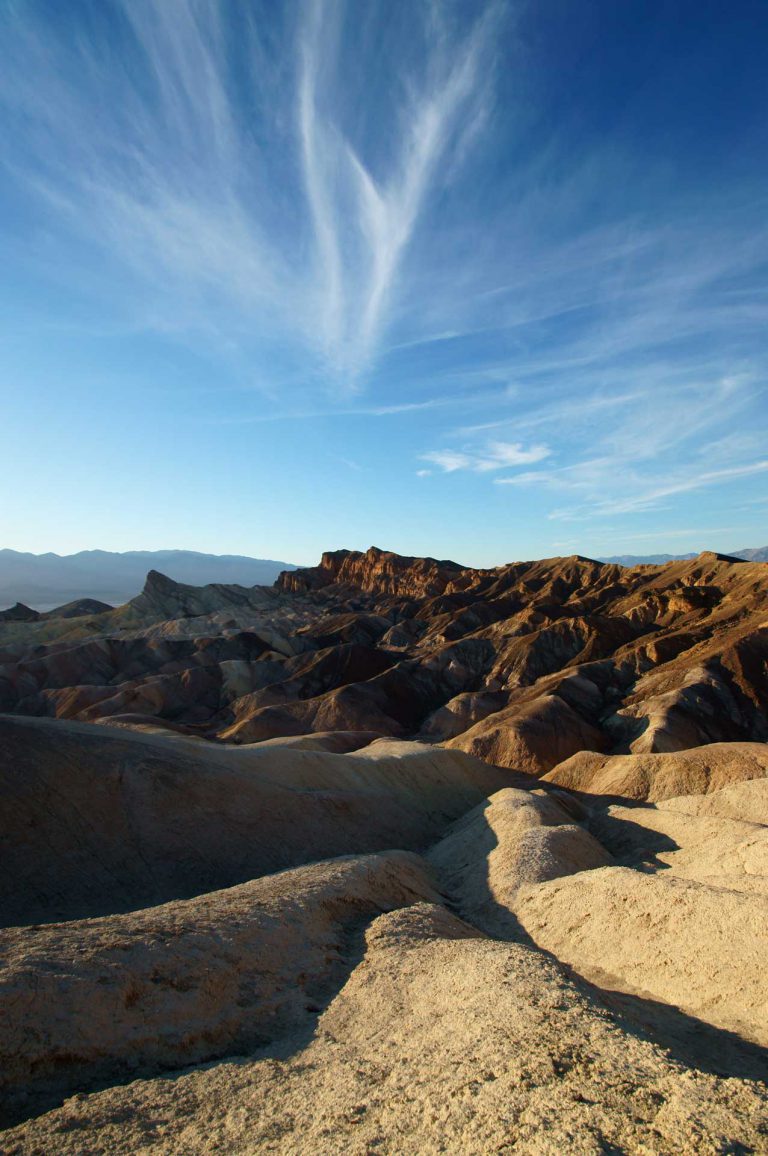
x=689 y=1041
x=631 y=843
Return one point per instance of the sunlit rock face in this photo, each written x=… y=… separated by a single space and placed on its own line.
x=525 y=665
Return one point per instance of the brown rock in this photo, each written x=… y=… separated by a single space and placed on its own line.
x=662 y=776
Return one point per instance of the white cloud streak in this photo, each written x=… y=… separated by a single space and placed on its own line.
x=278 y=228
x=638 y=455
x=494 y=455
x=363 y=226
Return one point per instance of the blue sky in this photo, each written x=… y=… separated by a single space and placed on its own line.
x=483 y=281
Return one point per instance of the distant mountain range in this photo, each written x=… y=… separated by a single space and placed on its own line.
x=760 y=554
x=46 y=580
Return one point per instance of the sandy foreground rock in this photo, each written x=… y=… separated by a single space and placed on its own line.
x=723 y=852
x=696 y=947
x=96 y=1000
x=746 y=801
x=439 y=1041
x=513 y=839
x=550 y=973
x=688 y=925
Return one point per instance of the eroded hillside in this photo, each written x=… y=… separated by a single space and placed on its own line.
x=524 y=665
x=395 y=856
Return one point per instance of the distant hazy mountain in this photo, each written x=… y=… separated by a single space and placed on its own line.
x=759 y=554
x=645 y=559
x=46 y=580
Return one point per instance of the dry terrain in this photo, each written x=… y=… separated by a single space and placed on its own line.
x=395 y=857
x=524 y=666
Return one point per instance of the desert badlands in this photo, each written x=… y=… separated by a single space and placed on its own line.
x=393 y=856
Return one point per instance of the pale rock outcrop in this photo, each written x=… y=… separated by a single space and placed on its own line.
x=721 y=852
x=515 y=838
x=747 y=801
x=699 y=948
x=128 y=995
x=440 y=1041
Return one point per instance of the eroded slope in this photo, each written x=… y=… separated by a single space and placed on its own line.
x=525 y=665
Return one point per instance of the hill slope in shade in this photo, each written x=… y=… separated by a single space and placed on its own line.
x=132 y=806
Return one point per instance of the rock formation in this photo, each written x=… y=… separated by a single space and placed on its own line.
x=661 y=776
x=397 y=856
x=524 y=666
x=140 y=819
x=338 y=1028
x=19 y=613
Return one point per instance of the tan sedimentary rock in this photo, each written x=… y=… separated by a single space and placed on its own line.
x=515 y=838
x=96 y=820
x=531 y=739
x=697 y=947
x=662 y=776
x=441 y=1040
x=105 y=999
x=747 y=801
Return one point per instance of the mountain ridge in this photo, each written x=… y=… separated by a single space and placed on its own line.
x=43 y=581
x=750 y=554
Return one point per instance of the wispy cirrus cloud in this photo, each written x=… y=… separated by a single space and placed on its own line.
x=494 y=455
x=132 y=137
x=363 y=224
x=358 y=410
x=668 y=436
x=220 y=173
x=650 y=497
x=422 y=216
x=627 y=451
